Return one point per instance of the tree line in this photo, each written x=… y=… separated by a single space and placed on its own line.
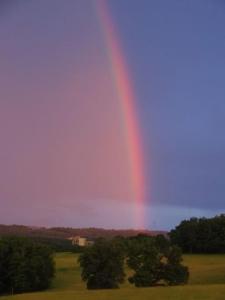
x=200 y=235
x=66 y=232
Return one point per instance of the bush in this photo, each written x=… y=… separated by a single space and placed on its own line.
x=25 y=266
x=102 y=265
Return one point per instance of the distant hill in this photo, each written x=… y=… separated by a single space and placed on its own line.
x=65 y=233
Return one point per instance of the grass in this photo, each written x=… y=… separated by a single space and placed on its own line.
x=206 y=269
x=207 y=282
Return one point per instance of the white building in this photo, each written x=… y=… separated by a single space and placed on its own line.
x=80 y=241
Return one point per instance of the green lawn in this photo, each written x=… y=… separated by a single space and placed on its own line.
x=207 y=282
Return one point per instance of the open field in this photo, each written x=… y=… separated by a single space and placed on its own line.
x=207 y=282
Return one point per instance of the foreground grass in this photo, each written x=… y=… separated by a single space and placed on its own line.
x=207 y=282
x=211 y=292
x=206 y=269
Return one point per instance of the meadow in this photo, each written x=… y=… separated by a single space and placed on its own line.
x=207 y=282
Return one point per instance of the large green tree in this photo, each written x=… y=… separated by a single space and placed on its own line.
x=154 y=261
x=174 y=273
x=145 y=259
x=102 y=265
x=24 y=265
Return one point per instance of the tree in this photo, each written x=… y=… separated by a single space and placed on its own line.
x=200 y=235
x=154 y=261
x=145 y=259
x=102 y=265
x=185 y=235
x=174 y=272
x=24 y=265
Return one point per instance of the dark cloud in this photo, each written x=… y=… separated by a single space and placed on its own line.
x=7 y=5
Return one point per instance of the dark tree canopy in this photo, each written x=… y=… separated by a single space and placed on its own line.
x=25 y=266
x=102 y=265
x=154 y=261
x=200 y=235
x=145 y=259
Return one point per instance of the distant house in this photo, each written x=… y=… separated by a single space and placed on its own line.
x=80 y=241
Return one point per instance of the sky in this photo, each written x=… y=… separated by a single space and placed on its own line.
x=63 y=153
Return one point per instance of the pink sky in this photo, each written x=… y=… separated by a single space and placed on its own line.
x=61 y=125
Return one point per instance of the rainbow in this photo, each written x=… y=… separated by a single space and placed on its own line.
x=127 y=101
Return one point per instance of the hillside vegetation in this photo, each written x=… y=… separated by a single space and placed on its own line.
x=66 y=232
x=207 y=282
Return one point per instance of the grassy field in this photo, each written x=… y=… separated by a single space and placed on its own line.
x=207 y=282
